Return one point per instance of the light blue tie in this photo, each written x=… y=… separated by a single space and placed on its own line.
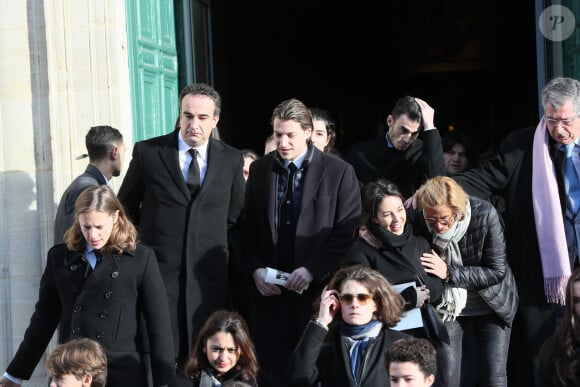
x=571 y=181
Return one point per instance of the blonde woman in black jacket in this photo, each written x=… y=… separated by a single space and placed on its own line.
x=480 y=297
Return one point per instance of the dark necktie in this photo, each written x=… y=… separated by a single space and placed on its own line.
x=571 y=181
x=98 y=258
x=287 y=225
x=193 y=176
x=288 y=204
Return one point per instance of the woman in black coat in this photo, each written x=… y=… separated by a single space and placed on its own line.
x=345 y=345
x=104 y=285
x=480 y=297
x=387 y=244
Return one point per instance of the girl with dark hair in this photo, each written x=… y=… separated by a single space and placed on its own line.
x=323 y=133
x=224 y=354
x=560 y=354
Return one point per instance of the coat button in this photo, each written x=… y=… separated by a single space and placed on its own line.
x=109 y=294
x=75 y=330
x=74 y=267
x=76 y=309
x=101 y=335
x=114 y=274
x=104 y=314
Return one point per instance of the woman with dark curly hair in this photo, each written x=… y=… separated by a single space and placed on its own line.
x=345 y=343
x=224 y=353
x=560 y=354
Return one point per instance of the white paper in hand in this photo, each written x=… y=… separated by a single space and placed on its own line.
x=278 y=277
x=411 y=318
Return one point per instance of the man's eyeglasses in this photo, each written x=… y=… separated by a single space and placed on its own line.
x=444 y=221
x=362 y=298
x=566 y=122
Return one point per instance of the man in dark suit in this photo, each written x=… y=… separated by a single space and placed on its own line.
x=301 y=212
x=399 y=155
x=183 y=202
x=106 y=151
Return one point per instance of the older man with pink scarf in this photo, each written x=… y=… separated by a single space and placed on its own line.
x=542 y=243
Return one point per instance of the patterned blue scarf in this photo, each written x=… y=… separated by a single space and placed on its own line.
x=360 y=337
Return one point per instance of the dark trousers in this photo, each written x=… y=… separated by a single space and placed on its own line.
x=276 y=326
x=532 y=326
x=477 y=355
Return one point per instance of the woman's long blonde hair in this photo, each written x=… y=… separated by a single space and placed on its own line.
x=103 y=199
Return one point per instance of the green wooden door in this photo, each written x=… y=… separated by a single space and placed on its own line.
x=153 y=67
x=571 y=46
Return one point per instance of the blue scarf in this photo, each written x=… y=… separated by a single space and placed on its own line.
x=360 y=336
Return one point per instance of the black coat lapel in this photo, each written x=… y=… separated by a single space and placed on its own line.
x=169 y=155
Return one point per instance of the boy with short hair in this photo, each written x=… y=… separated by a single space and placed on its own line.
x=411 y=362
x=78 y=363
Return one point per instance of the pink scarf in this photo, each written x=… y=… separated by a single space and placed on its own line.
x=548 y=218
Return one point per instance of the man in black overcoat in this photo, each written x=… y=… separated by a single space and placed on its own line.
x=187 y=221
x=301 y=211
x=541 y=225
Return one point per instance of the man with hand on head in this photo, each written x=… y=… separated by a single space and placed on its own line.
x=399 y=156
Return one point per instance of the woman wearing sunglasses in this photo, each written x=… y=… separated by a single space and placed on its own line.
x=480 y=297
x=345 y=343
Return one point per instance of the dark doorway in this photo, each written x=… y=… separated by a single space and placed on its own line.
x=473 y=62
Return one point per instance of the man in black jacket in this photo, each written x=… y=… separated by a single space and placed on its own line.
x=400 y=156
x=301 y=210
x=106 y=151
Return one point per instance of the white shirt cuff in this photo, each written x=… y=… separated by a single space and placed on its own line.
x=12 y=378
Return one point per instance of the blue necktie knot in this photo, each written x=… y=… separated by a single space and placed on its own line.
x=569 y=149
x=571 y=181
